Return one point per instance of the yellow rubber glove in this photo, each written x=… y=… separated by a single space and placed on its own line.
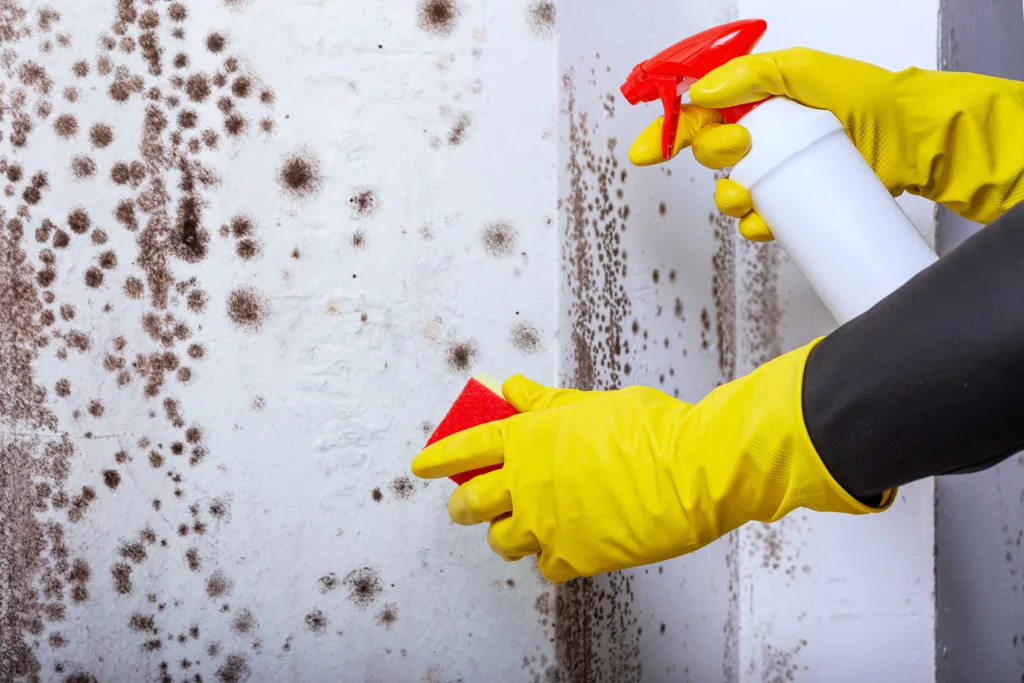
x=598 y=481
x=953 y=138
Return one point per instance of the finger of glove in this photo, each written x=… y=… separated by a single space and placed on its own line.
x=646 y=148
x=754 y=229
x=480 y=499
x=733 y=199
x=511 y=540
x=721 y=145
x=471 y=449
x=526 y=396
x=554 y=569
x=816 y=79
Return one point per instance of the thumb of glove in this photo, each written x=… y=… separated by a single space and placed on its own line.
x=528 y=396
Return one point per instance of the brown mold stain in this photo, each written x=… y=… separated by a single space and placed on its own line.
x=364 y=202
x=328 y=582
x=439 y=17
x=300 y=176
x=459 y=130
x=101 y=135
x=243 y=623
x=112 y=479
x=526 y=338
x=247 y=308
x=218 y=585
x=235 y=669
x=594 y=262
x=216 y=42
x=500 y=238
x=388 y=616
x=364 y=586
x=402 y=487
x=316 y=622
x=723 y=292
x=542 y=16
x=462 y=356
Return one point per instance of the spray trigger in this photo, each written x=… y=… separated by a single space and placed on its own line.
x=669 y=74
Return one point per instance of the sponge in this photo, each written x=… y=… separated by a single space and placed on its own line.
x=480 y=402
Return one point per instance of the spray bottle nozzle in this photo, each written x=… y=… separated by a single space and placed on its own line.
x=668 y=74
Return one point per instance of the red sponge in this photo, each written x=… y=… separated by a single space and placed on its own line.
x=480 y=402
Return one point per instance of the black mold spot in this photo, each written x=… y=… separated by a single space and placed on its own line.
x=460 y=129
x=93 y=277
x=66 y=126
x=388 y=616
x=244 y=622
x=235 y=125
x=197 y=87
x=328 y=582
x=364 y=202
x=376 y=495
x=101 y=135
x=439 y=16
x=142 y=623
x=526 y=338
x=218 y=585
x=82 y=167
x=133 y=288
x=79 y=221
x=108 y=260
x=112 y=479
x=134 y=551
x=316 y=621
x=500 y=238
x=234 y=670
x=122 y=574
x=216 y=42
x=462 y=355
x=247 y=308
x=542 y=17
x=241 y=87
x=402 y=487
x=364 y=586
x=299 y=176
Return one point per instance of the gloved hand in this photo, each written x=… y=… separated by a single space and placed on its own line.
x=954 y=138
x=598 y=481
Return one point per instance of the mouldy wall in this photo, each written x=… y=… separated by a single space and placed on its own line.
x=250 y=252
x=647 y=298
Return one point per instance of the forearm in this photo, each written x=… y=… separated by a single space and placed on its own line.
x=931 y=380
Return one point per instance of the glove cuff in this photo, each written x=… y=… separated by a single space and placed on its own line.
x=816 y=489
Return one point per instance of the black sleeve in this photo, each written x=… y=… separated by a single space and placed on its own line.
x=931 y=380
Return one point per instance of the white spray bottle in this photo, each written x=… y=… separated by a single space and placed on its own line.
x=824 y=204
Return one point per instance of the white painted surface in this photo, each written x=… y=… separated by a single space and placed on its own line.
x=375 y=98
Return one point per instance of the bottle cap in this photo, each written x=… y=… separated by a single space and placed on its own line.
x=668 y=74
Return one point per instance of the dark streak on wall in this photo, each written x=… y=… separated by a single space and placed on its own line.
x=596 y=633
x=593 y=259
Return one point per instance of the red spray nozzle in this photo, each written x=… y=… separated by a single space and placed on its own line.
x=668 y=74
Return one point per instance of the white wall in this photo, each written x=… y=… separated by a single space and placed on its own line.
x=304 y=417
